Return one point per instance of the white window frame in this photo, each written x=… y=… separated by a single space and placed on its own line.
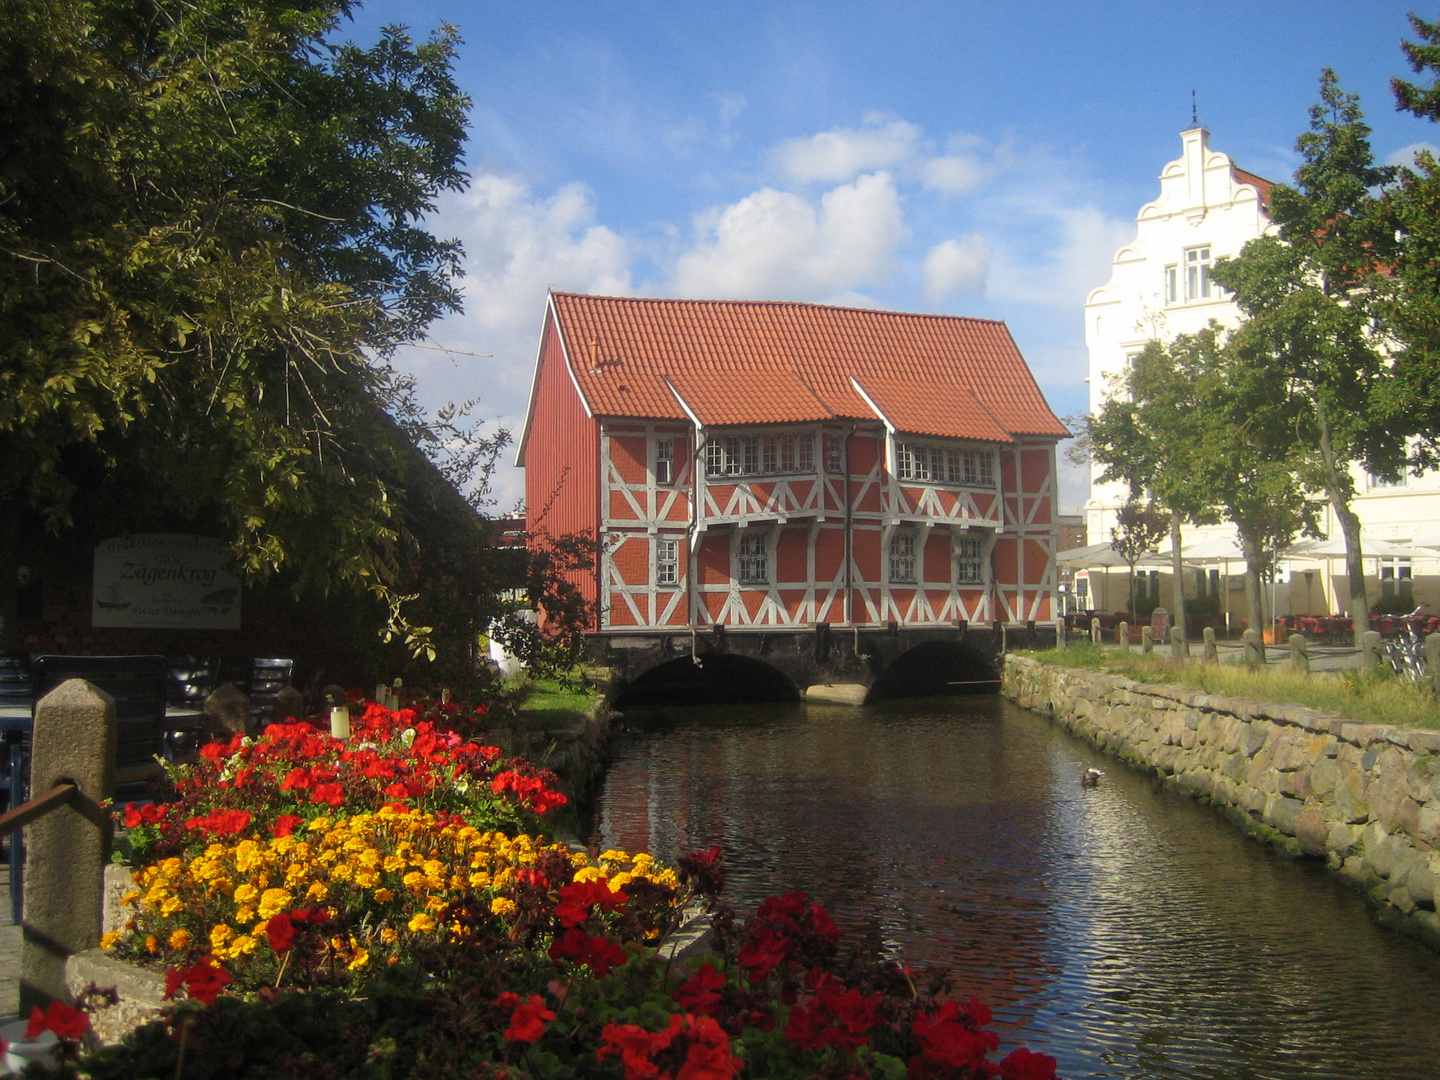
x=903 y=558
x=1197 y=273
x=969 y=561
x=760 y=455
x=664 y=460
x=1172 y=284
x=753 y=558
x=834 y=453
x=1397 y=578
x=667 y=562
x=922 y=463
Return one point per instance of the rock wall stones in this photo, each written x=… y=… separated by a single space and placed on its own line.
x=1364 y=797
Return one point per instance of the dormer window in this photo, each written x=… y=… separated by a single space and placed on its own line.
x=944 y=465
x=759 y=455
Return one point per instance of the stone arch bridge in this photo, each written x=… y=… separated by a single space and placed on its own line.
x=780 y=663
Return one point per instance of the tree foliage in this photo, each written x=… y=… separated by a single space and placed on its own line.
x=211 y=237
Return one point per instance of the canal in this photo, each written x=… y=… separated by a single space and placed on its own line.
x=1127 y=931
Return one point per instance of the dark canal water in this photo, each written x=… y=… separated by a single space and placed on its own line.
x=1127 y=931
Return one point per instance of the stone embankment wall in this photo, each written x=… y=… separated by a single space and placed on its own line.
x=1364 y=797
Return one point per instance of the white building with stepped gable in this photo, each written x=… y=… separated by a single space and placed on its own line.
x=1208 y=209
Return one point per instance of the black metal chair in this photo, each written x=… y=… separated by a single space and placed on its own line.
x=269 y=677
x=17 y=696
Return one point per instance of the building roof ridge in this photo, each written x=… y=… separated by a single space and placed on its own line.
x=732 y=302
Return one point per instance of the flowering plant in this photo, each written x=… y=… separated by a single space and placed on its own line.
x=294 y=773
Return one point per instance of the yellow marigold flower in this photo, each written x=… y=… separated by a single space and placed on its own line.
x=272 y=901
x=245 y=893
x=108 y=939
x=242 y=945
x=172 y=905
x=642 y=862
x=393 y=864
x=365 y=877
x=589 y=873
x=614 y=855
x=436 y=904
x=152 y=943
x=579 y=859
x=320 y=824
x=389 y=935
x=619 y=881
x=171 y=867
x=130 y=898
x=220 y=934
x=245 y=914
x=317 y=892
x=666 y=877
x=384 y=896
x=362 y=958
x=370 y=859
x=422 y=923
x=249 y=856
x=341 y=873
x=479 y=880
x=180 y=939
x=413 y=881
x=503 y=906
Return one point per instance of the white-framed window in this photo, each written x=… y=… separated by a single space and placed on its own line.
x=834 y=453
x=1197 y=273
x=902 y=557
x=1172 y=284
x=754 y=558
x=760 y=455
x=1377 y=483
x=944 y=465
x=1396 y=580
x=664 y=461
x=667 y=562
x=970 y=561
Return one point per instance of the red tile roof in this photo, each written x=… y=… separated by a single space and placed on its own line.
x=758 y=362
x=1259 y=183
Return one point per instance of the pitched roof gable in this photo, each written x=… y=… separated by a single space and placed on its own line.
x=756 y=362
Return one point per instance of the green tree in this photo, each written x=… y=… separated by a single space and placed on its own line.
x=211 y=237
x=1138 y=527
x=1309 y=299
x=1411 y=306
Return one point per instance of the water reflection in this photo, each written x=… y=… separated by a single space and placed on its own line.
x=1128 y=932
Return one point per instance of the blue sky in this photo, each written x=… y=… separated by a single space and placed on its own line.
x=963 y=158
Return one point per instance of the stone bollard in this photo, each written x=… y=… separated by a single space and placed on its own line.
x=1095 y=637
x=66 y=850
x=1062 y=639
x=1432 y=658
x=1209 y=651
x=227 y=712
x=1147 y=639
x=1369 y=649
x=1122 y=634
x=289 y=704
x=1254 y=648
x=1300 y=653
x=1179 y=647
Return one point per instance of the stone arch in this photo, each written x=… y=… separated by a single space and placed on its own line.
x=937 y=667
x=719 y=679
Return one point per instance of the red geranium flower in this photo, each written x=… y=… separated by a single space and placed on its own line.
x=599 y=954
x=331 y=794
x=203 y=980
x=280 y=929
x=527 y=1022
x=1021 y=1064
x=286 y=824
x=577 y=898
x=64 y=1020
x=699 y=993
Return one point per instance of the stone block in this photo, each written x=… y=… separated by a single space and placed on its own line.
x=1341 y=839
x=227 y=712
x=1252 y=737
x=289 y=704
x=1311 y=831
x=1351 y=804
x=1420 y=880
x=68 y=848
x=1427 y=824
x=1408 y=816
x=1282 y=811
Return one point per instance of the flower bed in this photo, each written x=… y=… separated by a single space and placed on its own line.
x=422 y=924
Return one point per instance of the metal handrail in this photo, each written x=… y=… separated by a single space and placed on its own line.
x=22 y=815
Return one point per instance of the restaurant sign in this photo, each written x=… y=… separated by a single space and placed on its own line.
x=167 y=580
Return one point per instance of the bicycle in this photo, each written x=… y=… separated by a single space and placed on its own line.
x=1406 y=652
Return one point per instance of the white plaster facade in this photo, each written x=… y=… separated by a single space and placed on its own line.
x=1209 y=208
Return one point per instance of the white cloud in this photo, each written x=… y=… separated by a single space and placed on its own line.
x=1073 y=259
x=731 y=106
x=957 y=267
x=1406 y=154
x=517 y=243
x=832 y=156
x=777 y=244
x=954 y=174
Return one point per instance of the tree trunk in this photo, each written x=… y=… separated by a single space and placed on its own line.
x=1177 y=570
x=1254 y=594
x=1131 y=609
x=1349 y=526
x=9 y=579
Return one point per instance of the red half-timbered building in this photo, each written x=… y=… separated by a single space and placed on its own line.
x=759 y=464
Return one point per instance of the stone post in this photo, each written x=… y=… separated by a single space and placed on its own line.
x=289 y=704
x=1062 y=640
x=1147 y=639
x=1179 y=647
x=66 y=850
x=1254 y=648
x=227 y=712
x=1432 y=658
x=1095 y=637
x=1209 y=652
x=1122 y=634
x=1369 y=649
x=1300 y=653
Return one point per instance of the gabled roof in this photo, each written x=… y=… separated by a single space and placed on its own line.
x=1259 y=183
x=728 y=362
